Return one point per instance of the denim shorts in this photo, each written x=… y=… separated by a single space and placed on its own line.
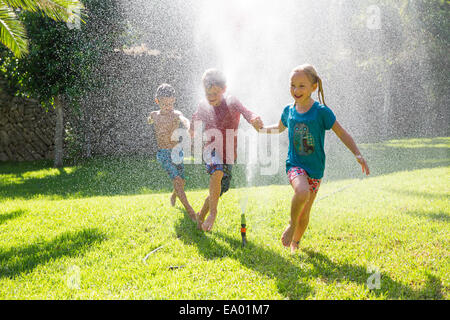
x=216 y=165
x=164 y=157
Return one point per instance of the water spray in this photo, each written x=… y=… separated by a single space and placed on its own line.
x=243 y=202
x=336 y=191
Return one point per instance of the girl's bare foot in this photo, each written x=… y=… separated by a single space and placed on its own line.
x=294 y=246
x=173 y=199
x=287 y=235
x=209 y=222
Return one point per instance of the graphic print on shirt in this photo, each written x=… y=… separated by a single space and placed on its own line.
x=303 y=140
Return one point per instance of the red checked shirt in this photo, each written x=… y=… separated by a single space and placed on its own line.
x=223 y=117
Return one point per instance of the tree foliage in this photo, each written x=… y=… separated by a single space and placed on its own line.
x=62 y=60
x=12 y=31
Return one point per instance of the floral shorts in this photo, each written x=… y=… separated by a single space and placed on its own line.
x=314 y=184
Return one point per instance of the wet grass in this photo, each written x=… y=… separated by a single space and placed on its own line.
x=83 y=232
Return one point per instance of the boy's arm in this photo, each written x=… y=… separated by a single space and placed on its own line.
x=184 y=121
x=273 y=129
x=151 y=118
x=248 y=115
x=257 y=123
x=347 y=139
x=195 y=118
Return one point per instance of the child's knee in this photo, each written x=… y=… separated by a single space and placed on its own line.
x=178 y=181
x=302 y=195
x=217 y=175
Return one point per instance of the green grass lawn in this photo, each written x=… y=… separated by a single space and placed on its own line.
x=82 y=232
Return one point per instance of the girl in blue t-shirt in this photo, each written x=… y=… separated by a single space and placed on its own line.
x=306 y=121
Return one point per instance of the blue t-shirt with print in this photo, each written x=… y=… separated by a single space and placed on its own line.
x=306 y=137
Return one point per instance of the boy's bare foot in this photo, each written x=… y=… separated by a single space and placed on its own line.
x=287 y=235
x=294 y=246
x=173 y=199
x=199 y=221
x=209 y=222
x=193 y=216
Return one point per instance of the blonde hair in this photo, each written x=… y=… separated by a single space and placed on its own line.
x=312 y=75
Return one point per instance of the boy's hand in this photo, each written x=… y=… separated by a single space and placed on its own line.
x=363 y=163
x=257 y=123
x=150 y=119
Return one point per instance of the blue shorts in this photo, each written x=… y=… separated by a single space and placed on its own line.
x=216 y=165
x=164 y=157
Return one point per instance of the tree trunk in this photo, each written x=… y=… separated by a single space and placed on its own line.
x=387 y=105
x=86 y=111
x=59 y=132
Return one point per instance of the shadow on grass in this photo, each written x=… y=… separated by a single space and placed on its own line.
x=18 y=260
x=391 y=289
x=288 y=275
x=415 y=194
x=437 y=216
x=142 y=175
x=441 y=216
x=10 y=215
x=102 y=177
x=95 y=177
x=388 y=157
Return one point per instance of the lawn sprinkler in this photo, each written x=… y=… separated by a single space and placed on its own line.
x=243 y=202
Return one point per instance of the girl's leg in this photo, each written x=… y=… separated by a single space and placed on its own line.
x=178 y=185
x=214 y=194
x=301 y=196
x=302 y=222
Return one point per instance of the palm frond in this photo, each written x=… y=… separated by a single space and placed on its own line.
x=12 y=32
x=59 y=10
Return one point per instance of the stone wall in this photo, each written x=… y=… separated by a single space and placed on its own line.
x=112 y=120
x=26 y=129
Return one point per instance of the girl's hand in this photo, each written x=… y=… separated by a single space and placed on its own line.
x=273 y=129
x=363 y=163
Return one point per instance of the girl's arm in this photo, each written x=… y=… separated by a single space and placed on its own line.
x=347 y=139
x=273 y=129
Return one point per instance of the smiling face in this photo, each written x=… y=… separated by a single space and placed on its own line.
x=165 y=103
x=301 y=87
x=214 y=95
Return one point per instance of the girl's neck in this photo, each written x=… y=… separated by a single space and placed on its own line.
x=304 y=107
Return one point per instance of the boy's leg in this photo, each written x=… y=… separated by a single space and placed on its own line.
x=173 y=197
x=163 y=156
x=178 y=185
x=215 y=187
x=202 y=214
x=301 y=196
